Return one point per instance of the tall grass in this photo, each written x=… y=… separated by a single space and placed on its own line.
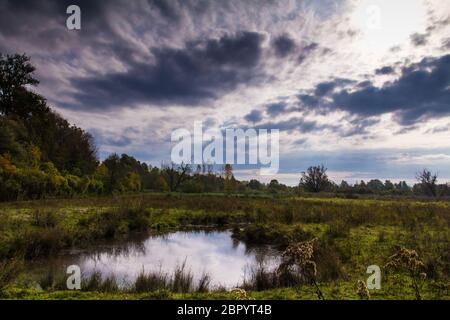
x=97 y=283
x=9 y=270
x=262 y=278
x=181 y=281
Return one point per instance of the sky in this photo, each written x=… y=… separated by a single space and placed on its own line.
x=361 y=86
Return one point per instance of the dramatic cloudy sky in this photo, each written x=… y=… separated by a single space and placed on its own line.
x=362 y=86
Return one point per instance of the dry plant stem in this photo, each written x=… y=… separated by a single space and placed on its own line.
x=318 y=291
x=415 y=286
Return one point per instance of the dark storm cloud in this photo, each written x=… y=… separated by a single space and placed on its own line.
x=243 y=50
x=385 y=70
x=324 y=88
x=276 y=109
x=157 y=64
x=254 y=116
x=364 y=84
x=118 y=139
x=300 y=125
x=18 y=16
x=284 y=45
x=421 y=92
x=40 y=27
x=358 y=127
x=202 y=70
x=309 y=100
x=169 y=70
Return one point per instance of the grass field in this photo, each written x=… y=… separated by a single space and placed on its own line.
x=351 y=234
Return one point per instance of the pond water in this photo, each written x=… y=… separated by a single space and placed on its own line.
x=226 y=260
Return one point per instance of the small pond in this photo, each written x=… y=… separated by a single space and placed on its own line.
x=227 y=261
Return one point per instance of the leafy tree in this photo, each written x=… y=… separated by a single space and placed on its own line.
x=388 y=185
x=255 y=185
x=133 y=182
x=26 y=120
x=375 y=185
x=344 y=185
x=275 y=186
x=114 y=173
x=8 y=143
x=16 y=72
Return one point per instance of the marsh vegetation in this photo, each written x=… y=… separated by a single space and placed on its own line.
x=349 y=234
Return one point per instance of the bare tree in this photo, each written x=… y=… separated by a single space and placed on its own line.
x=176 y=175
x=315 y=179
x=428 y=182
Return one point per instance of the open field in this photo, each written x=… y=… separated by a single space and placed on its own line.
x=351 y=234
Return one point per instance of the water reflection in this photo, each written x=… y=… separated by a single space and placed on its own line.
x=215 y=253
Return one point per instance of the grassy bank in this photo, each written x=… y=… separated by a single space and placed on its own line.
x=332 y=291
x=351 y=235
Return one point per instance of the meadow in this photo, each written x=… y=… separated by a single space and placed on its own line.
x=349 y=235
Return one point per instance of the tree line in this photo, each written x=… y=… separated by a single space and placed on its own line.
x=42 y=155
x=316 y=180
